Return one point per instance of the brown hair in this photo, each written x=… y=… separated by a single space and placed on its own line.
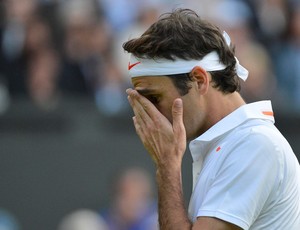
x=183 y=34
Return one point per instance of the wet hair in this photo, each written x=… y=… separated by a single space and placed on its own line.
x=182 y=34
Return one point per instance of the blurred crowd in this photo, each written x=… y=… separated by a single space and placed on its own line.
x=53 y=49
x=56 y=49
x=132 y=206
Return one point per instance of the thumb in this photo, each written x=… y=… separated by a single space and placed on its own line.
x=177 y=113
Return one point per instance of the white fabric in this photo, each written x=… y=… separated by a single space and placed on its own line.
x=246 y=173
x=159 y=67
x=241 y=71
x=154 y=67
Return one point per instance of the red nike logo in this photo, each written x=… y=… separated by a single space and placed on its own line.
x=130 y=66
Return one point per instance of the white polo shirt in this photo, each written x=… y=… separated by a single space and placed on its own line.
x=245 y=172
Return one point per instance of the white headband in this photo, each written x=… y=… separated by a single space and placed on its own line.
x=161 y=66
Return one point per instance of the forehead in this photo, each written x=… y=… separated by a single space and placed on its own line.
x=152 y=82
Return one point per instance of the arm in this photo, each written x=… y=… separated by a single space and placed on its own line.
x=166 y=144
x=172 y=213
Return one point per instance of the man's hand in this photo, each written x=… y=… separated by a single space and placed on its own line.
x=165 y=142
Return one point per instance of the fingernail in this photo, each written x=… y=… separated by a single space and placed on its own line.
x=178 y=102
x=128 y=90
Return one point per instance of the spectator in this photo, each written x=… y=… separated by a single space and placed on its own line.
x=82 y=56
x=272 y=19
x=132 y=207
x=82 y=219
x=111 y=85
x=146 y=17
x=287 y=61
x=42 y=65
x=237 y=21
x=31 y=63
x=18 y=15
x=120 y=13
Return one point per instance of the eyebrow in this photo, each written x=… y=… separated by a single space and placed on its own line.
x=145 y=91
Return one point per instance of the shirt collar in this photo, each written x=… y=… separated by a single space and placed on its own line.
x=256 y=110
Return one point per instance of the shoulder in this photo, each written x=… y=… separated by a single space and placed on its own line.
x=253 y=145
x=256 y=136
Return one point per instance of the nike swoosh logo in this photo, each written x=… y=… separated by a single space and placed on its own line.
x=130 y=66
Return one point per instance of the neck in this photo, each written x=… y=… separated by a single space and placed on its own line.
x=220 y=105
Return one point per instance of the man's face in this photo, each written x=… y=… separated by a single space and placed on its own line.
x=162 y=92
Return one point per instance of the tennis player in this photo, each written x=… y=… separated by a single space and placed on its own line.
x=186 y=82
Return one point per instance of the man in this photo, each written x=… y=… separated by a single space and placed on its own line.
x=186 y=83
x=132 y=206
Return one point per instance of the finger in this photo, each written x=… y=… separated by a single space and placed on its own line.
x=143 y=137
x=177 y=113
x=143 y=102
x=138 y=110
x=128 y=90
x=138 y=128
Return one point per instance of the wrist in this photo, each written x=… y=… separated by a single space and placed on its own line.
x=168 y=172
x=168 y=166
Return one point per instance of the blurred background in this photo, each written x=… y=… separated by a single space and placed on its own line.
x=69 y=155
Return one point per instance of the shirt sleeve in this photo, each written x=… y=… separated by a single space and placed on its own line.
x=243 y=184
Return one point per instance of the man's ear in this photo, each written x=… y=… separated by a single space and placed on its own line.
x=201 y=78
